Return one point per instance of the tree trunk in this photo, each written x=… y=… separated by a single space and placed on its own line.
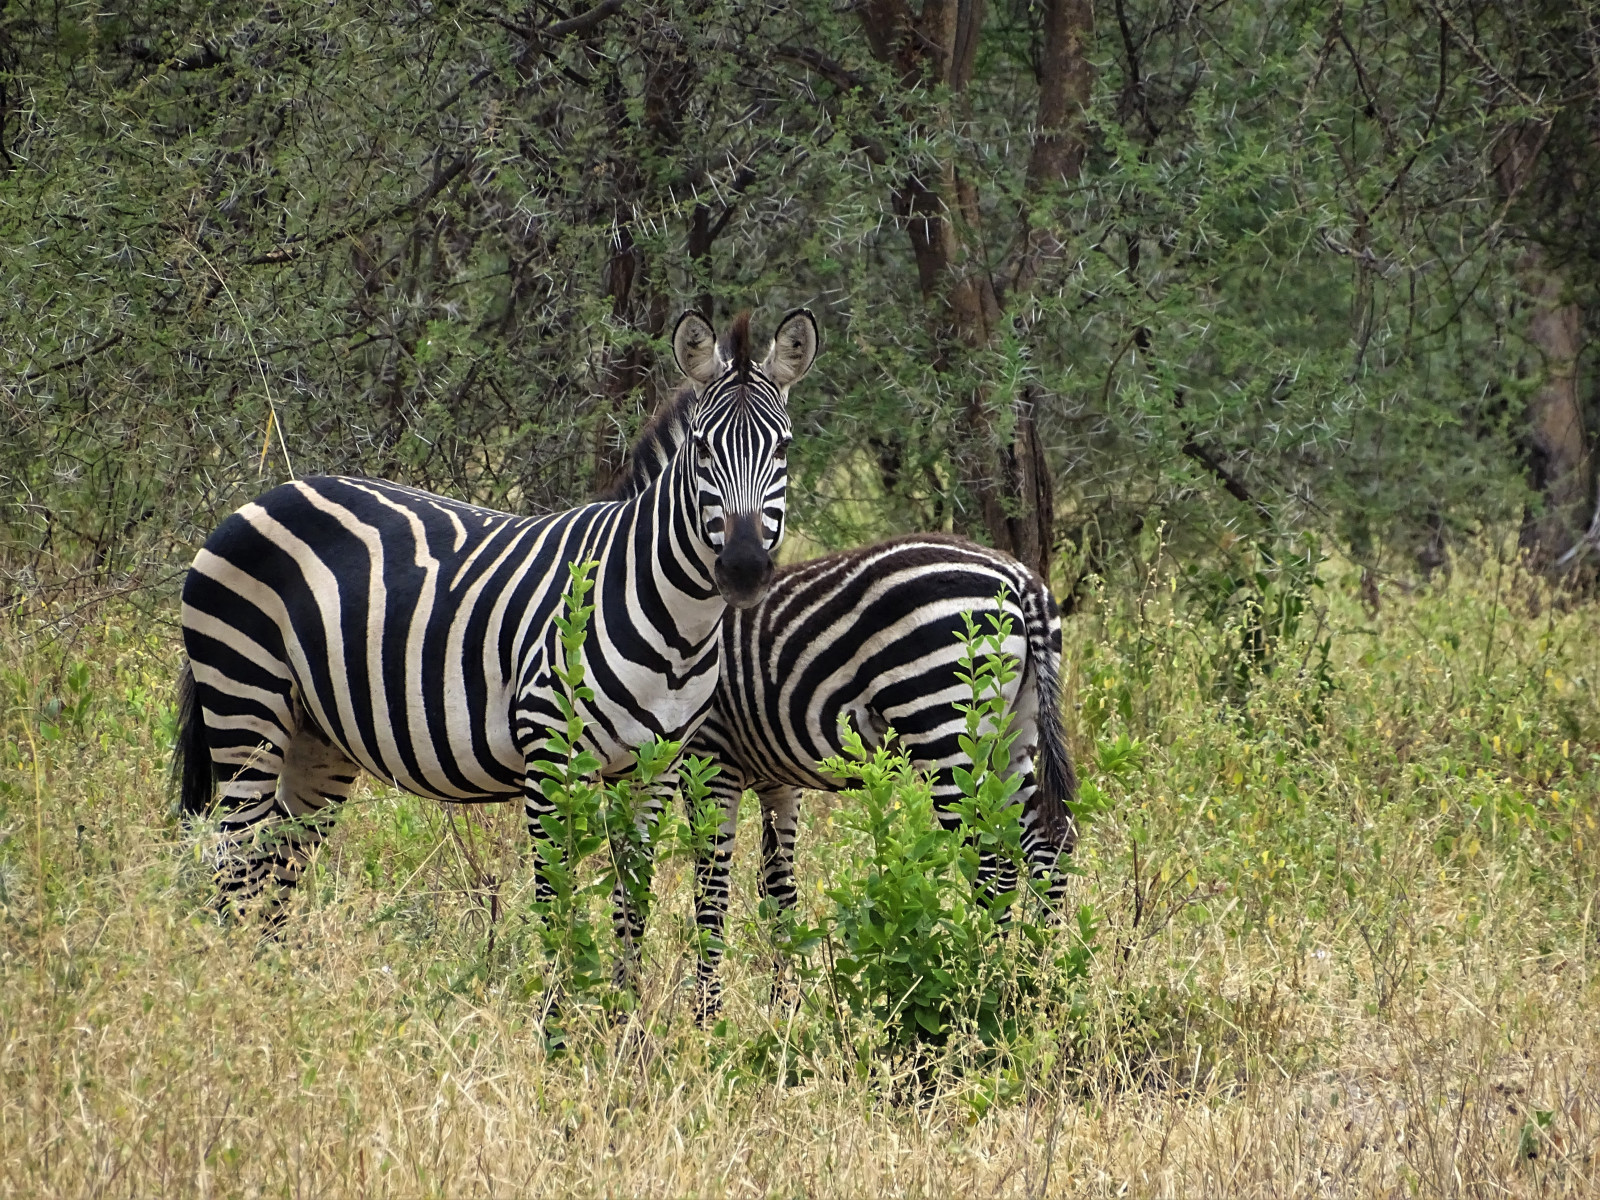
x=1558 y=450
x=638 y=301
x=1009 y=477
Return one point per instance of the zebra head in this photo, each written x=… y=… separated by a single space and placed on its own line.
x=739 y=424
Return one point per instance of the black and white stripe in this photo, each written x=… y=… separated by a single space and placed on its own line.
x=337 y=624
x=872 y=635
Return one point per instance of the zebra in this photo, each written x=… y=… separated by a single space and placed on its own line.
x=871 y=635
x=336 y=623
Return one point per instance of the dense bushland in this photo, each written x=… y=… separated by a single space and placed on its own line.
x=1081 y=268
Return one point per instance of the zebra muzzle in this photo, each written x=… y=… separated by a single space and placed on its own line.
x=744 y=568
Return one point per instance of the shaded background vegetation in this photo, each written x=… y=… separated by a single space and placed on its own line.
x=1239 y=269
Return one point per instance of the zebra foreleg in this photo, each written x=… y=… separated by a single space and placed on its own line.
x=712 y=858
x=633 y=859
x=537 y=809
x=548 y=828
x=780 y=821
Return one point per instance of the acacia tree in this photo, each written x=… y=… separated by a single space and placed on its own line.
x=1537 y=68
x=976 y=263
x=1220 y=270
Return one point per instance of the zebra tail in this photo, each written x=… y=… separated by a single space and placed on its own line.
x=1058 y=782
x=193 y=773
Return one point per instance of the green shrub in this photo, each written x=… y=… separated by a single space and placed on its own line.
x=597 y=840
x=912 y=946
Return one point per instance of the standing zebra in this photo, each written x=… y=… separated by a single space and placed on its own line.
x=872 y=635
x=340 y=623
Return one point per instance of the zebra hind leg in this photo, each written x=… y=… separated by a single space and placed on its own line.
x=1045 y=867
x=1039 y=849
x=780 y=820
x=997 y=875
x=278 y=806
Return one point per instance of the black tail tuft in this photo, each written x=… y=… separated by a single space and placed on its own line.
x=1058 y=782
x=193 y=773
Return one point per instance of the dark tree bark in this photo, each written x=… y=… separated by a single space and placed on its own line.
x=1559 y=461
x=968 y=300
x=638 y=301
x=1558 y=450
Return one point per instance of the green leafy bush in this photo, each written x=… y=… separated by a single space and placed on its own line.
x=598 y=839
x=913 y=945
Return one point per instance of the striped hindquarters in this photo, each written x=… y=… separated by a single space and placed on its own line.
x=873 y=635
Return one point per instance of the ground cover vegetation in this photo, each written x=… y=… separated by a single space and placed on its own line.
x=1332 y=937
x=1264 y=331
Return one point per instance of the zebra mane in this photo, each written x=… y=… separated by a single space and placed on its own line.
x=657 y=442
x=737 y=346
x=669 y=428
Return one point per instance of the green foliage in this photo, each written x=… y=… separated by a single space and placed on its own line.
x=912 y=953
x=600 y=839
x=1257 y=607
x=990 y=822
x=595 y=837
x=905 y=941
x=250 y=241
x=1244 y=807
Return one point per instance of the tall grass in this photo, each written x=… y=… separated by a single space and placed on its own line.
x=1346 y=927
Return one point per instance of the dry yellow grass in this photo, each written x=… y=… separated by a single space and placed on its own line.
x=1376 y=990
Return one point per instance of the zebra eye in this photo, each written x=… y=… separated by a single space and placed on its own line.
x=702 y=449
x=782 y=450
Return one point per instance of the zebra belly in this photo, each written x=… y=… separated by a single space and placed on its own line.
x=496 y=779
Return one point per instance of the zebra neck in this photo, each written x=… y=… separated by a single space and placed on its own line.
x=668 y=515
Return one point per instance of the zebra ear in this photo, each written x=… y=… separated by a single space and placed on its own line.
x=793 y=348
x=694 y=345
